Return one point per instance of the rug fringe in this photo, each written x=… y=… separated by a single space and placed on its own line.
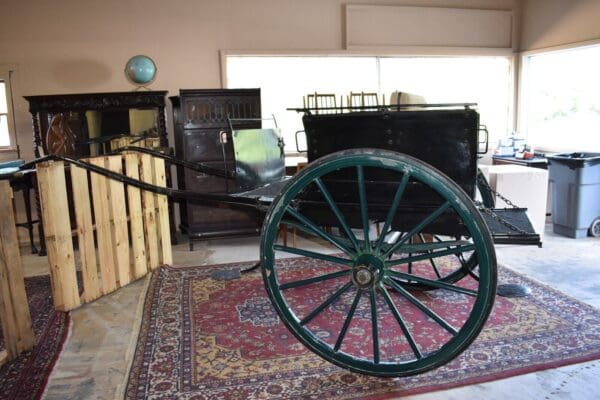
x=135 y=332
x=56 y=360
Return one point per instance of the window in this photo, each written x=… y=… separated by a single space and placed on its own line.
x=284 y=80
x=561 y=99
x=6 y=118
x=4 y=131
x=483 y=80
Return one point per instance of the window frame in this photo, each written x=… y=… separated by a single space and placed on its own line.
x=522 y=93
x=6 y=71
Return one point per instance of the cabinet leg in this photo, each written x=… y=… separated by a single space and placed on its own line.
x=27 y=201
x=38 y=209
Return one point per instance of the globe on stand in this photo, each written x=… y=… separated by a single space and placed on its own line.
x=140 y=70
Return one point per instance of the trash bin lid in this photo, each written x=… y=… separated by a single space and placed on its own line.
x=575 y=160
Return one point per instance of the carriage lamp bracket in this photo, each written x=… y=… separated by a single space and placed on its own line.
x=281 y=145
x=486 y=141
x=223 y=141
x=297 y=145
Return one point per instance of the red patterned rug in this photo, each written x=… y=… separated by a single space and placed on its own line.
x=206 y=339
x=26 y=376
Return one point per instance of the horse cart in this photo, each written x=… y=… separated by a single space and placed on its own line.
x=398 y=271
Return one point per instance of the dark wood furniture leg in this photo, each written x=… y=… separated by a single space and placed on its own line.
x=37 y=143
x=30 y=222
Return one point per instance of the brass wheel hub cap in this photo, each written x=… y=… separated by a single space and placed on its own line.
x=367 y=271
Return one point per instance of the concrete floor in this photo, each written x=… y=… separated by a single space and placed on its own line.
x=95 y=359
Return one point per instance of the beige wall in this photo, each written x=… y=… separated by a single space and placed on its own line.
x=69 y=46
x=547 y=23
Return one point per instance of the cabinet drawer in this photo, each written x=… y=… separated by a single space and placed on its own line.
x=205 y=183
x=206 y=219
x=205 y=145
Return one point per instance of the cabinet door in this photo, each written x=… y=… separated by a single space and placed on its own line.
x=204 y=183
x=216 y=220
x=202 y=145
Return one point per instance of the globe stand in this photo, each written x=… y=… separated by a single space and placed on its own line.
x=140 y=88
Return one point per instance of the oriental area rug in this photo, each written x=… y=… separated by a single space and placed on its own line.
x=202 y=338
x=26 y=376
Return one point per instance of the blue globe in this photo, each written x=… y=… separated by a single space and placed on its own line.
x=140 y=70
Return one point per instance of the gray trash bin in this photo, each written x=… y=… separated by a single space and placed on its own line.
x=575 y=184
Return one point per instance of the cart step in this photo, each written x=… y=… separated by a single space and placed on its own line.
x=511 y=226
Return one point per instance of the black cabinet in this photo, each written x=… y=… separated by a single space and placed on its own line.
x=200 y=116
x=86 y=116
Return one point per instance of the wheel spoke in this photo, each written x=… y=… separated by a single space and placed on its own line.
x=425 y=247
x=464 y=264
x=461 y=258
x=374 y=328
x=336 y=211
x=392 y=211
x=410 y=241
x=327 y=302
x=348 y=320
x=431 y=261
x=400 y=320
x=417 y=228
x=296 y=225
x=448 y=244
x=313 y=254
x=316 y=279
x=433 y=254
x=363 y=204
x=318 y=231
x=432 y=283
x=306 y=230
x=417 y=303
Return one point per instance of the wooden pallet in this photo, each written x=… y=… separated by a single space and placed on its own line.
x=122 y=232
x=14 y=309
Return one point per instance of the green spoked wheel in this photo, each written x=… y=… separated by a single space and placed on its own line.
x=349 y=299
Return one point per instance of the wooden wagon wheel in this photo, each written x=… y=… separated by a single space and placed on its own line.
x=353 y=309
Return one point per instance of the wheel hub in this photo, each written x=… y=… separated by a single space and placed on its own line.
x=364 y=277
x=367 y=271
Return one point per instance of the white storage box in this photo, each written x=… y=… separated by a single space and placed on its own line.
x=525 y=186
